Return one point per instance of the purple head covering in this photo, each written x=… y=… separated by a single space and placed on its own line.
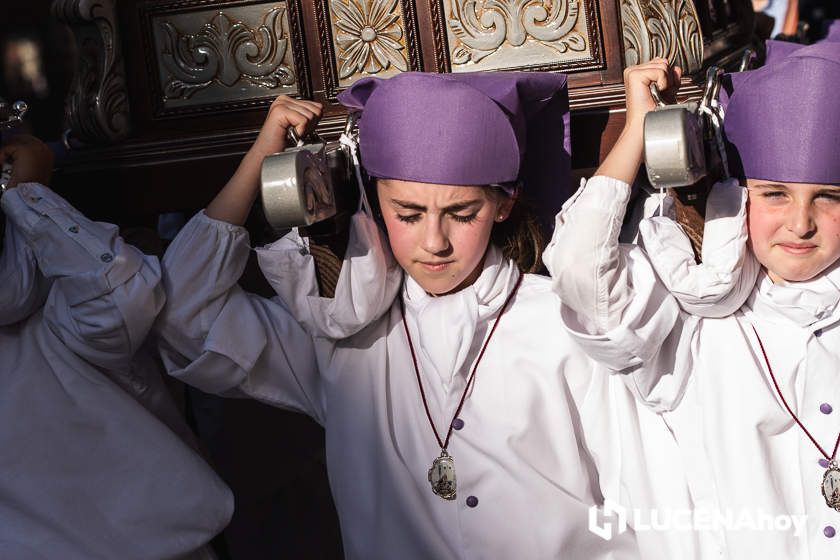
x=777 y=50
x=783 y=120
x=833 y=31
x=774 y=51
x=468 y=129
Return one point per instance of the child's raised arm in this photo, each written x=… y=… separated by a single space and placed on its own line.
x=719 y=285
x=623 y=161
x=24 y=288
x=612 y=302
x=31 y=160
x=583 y=256
x=234 y=201
x=104 y=293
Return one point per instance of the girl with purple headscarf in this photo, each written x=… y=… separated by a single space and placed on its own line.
x=751 y=397
x=453 y=402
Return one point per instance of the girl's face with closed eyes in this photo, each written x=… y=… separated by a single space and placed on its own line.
x=439 y=233
x=794 y=227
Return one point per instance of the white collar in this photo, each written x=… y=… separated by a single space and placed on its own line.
x=804 y=303
x=445 y=326
x=490 y=289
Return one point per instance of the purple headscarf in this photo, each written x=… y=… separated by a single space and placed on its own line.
x=777 y=50
x=468 y=129
x=833 y=31
x=783 y=119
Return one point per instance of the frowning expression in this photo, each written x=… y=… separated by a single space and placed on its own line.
x=439 y=233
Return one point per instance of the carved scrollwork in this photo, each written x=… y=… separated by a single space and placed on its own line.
x=662 y=28
x=225 y=51
x=369 y=36
x=96 y=109
x=481 y=27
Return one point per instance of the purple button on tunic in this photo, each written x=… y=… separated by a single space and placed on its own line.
x=825 y=408
x=472 y=501
x=829 y=531
x=823 y=463
x=457 y=423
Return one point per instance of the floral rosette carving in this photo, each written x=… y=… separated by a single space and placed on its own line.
x=226 y=51
x=369 y=36
x=483 y=26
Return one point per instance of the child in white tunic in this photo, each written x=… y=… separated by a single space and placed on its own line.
x=752 y=398
x=86 y=472
x=464 y=364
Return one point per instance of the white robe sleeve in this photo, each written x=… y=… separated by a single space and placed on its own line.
x=722 y=282
x=613 y=304
x=105 y=294
x=23 y=287
x=367 y=283
x=223 y=340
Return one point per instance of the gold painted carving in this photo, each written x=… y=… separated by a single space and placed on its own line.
x=662 y=28
x=369 y=37
x=227 y=52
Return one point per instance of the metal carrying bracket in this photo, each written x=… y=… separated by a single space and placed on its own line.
x=307 y=183
x=676 y=137
x=710 y=106
x=748 y=58
x=673 y=137
x=10 y=117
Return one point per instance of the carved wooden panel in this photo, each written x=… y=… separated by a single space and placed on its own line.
x=662 y=28
x=366 y=38
x=478 y=35
x=201 y=72
x=97 y=108
x=202 y=57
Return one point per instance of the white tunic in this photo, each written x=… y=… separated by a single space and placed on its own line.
x=524 y=471
x=739 y=449
x=86 y=472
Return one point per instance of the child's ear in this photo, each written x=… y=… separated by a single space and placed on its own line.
x=504 y=208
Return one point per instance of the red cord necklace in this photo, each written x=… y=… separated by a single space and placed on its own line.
x=831 y=478
x=442 y=472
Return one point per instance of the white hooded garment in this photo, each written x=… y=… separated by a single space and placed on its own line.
x=86 y=471
x=740 y=451
x=524 y=467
